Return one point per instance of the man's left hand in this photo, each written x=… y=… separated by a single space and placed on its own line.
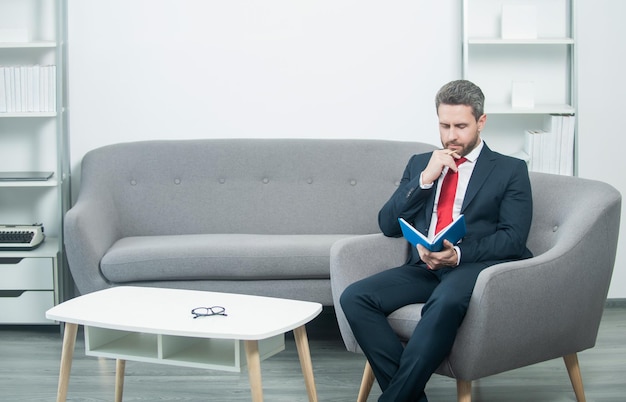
x=438 y=259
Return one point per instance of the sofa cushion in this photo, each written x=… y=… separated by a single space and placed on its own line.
x=218 y=257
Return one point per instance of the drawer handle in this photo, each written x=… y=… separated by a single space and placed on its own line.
x=11 y=293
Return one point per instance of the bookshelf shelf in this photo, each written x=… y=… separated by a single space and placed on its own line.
x=541 y=41
x=207 y=353
x=538 y=109
x=28 y=45
x=27 y=114
x=46 y=183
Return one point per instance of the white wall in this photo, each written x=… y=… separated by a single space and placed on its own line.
x=141 y=69
x=601 y=91
x=274 y=68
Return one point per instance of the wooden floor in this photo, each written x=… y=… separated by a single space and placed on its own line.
x=29 y=365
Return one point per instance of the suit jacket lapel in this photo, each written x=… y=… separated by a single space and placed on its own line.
x=484 y=166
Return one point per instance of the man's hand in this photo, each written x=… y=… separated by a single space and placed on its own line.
x=438 y=259
x=438 y=161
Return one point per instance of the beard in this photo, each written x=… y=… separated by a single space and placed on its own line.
x=465 y=148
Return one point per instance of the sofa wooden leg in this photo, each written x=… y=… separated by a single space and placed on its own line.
x=366 y=383
x=573 y=369
x=464 y=390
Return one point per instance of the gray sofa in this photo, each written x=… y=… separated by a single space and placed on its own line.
x=234 y=215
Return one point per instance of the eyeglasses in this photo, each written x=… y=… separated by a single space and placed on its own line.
x=208 y=311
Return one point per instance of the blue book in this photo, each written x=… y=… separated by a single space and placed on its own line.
x=453 y=232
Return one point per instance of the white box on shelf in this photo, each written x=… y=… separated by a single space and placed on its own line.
x=13 y=35
x=523 y=95
x=519 y=21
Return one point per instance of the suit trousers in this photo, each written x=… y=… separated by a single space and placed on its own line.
x=402 y=371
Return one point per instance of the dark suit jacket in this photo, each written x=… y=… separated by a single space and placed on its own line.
x=497 y=208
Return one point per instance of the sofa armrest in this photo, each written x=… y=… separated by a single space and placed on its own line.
x=90 y=228
x=358 y=257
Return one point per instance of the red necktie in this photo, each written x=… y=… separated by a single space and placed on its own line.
x=446 y=197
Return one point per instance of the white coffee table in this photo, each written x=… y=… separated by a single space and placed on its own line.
x=156 y=325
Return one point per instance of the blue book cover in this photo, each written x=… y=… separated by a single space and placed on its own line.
x=453 y=232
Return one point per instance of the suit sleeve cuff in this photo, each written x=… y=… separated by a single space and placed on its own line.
x=458 y=255
x=425 y=186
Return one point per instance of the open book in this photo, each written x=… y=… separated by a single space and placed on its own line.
x=453 y=232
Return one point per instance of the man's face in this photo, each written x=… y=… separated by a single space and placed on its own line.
x=458 y=129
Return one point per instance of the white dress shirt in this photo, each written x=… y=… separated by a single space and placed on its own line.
x=465 y=173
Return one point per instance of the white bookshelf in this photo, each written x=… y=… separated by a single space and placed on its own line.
x=32 y=139
x=543 y=62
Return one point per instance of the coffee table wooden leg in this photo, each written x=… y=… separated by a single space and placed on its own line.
x=254 y=370
x=302 y=343
x=67 y=354
x=120 y=368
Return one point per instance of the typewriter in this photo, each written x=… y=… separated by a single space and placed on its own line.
x=21 y=237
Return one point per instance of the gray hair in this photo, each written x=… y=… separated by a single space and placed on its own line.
x=462 y=92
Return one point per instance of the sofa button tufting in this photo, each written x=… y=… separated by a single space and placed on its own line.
x=353 y=182
x=397 y=183
x=555 y=228
x=176 y=181
x=309 y=180
x=266 y=180
x=222 y=180
x=133 y=182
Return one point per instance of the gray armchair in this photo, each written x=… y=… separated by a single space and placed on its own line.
x=521 y=312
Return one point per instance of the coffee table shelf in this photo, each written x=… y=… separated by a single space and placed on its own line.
x=206 y=353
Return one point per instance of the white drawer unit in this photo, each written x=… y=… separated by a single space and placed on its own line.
x=28 y=284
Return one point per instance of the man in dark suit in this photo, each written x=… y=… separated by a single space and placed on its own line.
x=493 y=193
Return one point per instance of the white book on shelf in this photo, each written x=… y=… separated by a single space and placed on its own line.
x=3 y=92
x=44 y=88
x=533 y=145
x=529 y=141
x=553 y=150
x=553 y=127
x=543 y=145
x=17 y=88
x=29 y=89
x=14 y=91
x=562 y=145
x=519 y=21
x=34 y=90
x=52 y=91
x=24 y=87
x=571 y=140
x=8 y=83
x=567 y=146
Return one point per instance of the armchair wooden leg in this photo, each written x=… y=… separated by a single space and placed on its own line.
x=573 y=369
x=366 y=383
x=464 y=390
